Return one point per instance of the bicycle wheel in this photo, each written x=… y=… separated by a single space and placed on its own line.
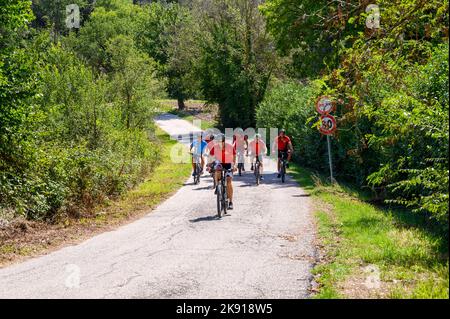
x=197 y=175
x=224 y=199
x=257 y=173
x=240 y=169
x=283 y=172
x=219 y=201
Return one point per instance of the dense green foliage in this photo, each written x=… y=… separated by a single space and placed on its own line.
x=75 y=125
x=236 y=60
x=391 y=89
x=77 y=107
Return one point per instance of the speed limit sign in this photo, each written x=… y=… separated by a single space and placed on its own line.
x=325 y=105
x=328 y=126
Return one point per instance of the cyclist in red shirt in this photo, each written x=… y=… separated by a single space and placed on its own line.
x=258 y=149
x=240 y=144
x=283 y=146
x=225 y=155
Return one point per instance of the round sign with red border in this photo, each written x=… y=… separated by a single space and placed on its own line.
x=328 y=126
x=325 y=105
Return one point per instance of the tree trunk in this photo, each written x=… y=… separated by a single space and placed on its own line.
x=181 y=105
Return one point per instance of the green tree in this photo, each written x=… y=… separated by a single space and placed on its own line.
x=133 y=82
x=237 y=59
x=52 y=14
x=309 y=31
x=17 y=81
x=108 y=20
x=167 y=35
x=387 y=83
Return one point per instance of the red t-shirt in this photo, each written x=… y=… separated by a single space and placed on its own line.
x=211 y=145
x=224 y=154
x=257 y=147
x=239 y=143
x=283 y=142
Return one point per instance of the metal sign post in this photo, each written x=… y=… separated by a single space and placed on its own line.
x=329 y=159
x=325 y=106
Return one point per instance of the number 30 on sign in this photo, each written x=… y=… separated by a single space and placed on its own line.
x=328 y=126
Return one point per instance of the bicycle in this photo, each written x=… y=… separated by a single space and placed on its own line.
x=257 y=170
x=283 y=166
x=221 y=193
x=212 y=173
x=240 y=162
x=198 y=168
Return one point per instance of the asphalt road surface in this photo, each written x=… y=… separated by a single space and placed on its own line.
x=263 y=249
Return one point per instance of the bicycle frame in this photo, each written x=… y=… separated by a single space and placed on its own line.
x=257 y=169
x=222 y=194
x=283 y=162
x=241 y=160
x=198 y=167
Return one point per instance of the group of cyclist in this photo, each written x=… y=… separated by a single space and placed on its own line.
x=224 y=155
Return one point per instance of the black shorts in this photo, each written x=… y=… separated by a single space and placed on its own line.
x=281 y=153
x=226 y=166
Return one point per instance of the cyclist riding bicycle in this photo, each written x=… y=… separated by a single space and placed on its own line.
x=225 y=157
x=198 y=148
x=240 y=144
x=211 y=142
x=258 y=149
x=284 y=148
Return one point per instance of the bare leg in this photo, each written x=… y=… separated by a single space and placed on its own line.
x=230 y=189
x=217 y=178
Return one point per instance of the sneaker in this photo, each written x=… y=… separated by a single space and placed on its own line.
x=261 y=178
x=279 y=175
x=251 y=168
x=230 y=206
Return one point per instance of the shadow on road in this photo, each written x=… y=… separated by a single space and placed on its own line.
x=205 y=219
x=248 y=180
x=203 y=188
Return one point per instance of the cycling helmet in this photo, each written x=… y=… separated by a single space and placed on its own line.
x=221 y=137
x=257 y=135
x=239 y=131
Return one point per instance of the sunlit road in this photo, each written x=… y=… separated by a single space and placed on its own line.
x=263 y=249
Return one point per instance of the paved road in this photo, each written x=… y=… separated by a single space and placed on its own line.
x=264 y=249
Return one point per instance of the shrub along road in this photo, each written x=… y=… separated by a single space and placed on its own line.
x=265 y=248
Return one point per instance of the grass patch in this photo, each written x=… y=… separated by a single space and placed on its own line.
x=410 y=255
